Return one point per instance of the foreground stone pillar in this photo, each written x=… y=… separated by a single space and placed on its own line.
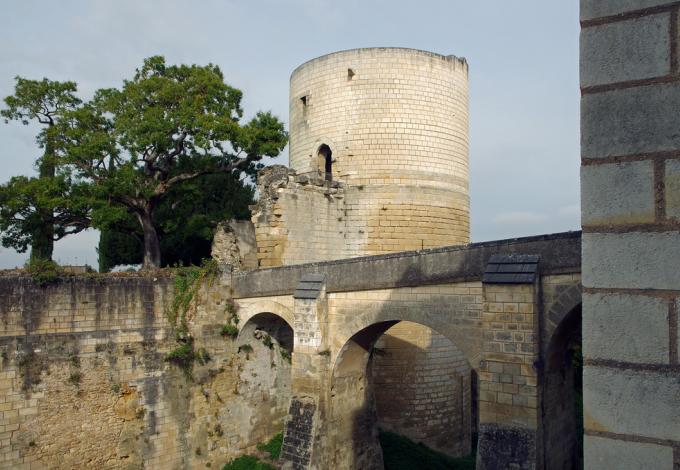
x=630 y=194
x=301 y=446
x=509 y=434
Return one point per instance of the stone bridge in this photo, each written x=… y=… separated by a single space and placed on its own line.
x=438 y=345
x=509 y=309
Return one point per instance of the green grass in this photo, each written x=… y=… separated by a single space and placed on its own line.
x=247 y=462
x=401 y=453
x=273 y=446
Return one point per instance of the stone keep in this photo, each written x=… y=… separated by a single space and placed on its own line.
x=379 y=158
x=388 y=128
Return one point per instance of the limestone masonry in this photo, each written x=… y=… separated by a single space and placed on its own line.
x=353 y=300
x=630 y=156
x=379 y=159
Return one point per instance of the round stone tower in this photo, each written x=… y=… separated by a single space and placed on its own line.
x=392 y=125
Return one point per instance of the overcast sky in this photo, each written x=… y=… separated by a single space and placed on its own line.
x=523 y=57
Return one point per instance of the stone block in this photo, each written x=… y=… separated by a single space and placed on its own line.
x=591 y=9
x=633 y=260
x=630 y=328
x=621 y=193
x=630 y=121
x=622 y=455
x=626 y=50
x=672 y=189
x=632 y=402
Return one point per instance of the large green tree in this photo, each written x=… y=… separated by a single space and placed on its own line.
x=38 y=211
x=186 y=220
x=168 y=125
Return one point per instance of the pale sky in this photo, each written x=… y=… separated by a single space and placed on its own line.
x=523 y=57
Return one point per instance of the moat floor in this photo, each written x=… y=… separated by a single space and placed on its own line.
x=400 y=453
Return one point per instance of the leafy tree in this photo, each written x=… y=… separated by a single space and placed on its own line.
x=39 y=211
x=167 y=126
x=186 y=219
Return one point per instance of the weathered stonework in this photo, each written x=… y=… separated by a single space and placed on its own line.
x=396 y=124
x=234 y=245
x=92 y=352
x=85 y=381
x=629 y=122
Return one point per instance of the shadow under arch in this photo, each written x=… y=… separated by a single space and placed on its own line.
x=264 y=367
x=562 y=394
x=271 y=324
x=463 y=333
x=354 y=412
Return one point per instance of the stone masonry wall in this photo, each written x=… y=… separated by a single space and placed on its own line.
x=396 y=121
x=508 y=379
x=422 y=388
x=299 y=219
x=84 y=381
x=630 y=169
x=302 y=219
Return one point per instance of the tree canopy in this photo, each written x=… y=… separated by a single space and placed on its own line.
x=168 y=125
x=40 y=210
x=186 y=219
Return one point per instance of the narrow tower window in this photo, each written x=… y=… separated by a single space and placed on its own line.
x=325 y=159
x=350 y=74
x=303 y=100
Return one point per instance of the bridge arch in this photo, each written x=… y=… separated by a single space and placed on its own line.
x=264 y=365
x=359 y=400
x=558 y=311
x=562 y=388
x=264 y=305
x=458 y=326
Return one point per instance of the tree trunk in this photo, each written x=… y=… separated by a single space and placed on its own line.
x=42 y=238
x=152 y=246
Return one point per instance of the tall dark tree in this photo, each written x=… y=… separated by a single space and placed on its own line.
x=39 y=211
x=167 y=126
x=186 y=219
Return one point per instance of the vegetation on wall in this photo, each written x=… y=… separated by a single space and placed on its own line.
x=230 y=329
x=187 y=284
x=43 y=271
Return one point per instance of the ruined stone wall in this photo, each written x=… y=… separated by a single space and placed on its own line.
x=234 y=243
x=396 y=121
x=84 y=381
x=630 y=167
x=303 y=219
x=299 y=219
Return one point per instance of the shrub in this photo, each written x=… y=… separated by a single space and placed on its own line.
x=247 y=462
x=273 y=446
x=183 y=355
x=75 y=378
x=43 y=272
x=230 y=331
x=285 y=355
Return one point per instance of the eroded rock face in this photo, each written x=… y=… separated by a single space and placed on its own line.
x=225 y=249
x=234 y=244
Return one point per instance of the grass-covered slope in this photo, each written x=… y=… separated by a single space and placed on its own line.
x=401 y=453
